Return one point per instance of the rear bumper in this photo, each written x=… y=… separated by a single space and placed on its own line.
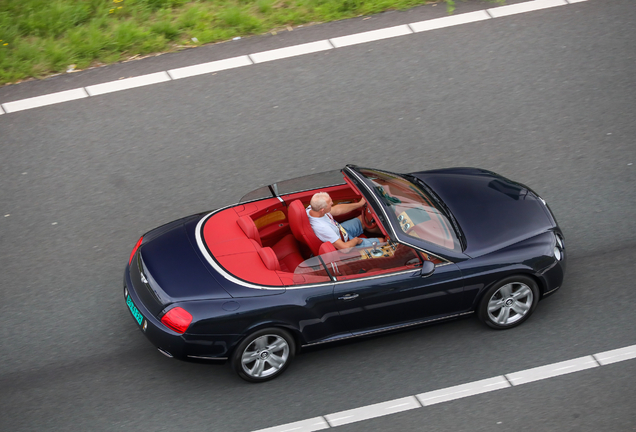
x=214 y=348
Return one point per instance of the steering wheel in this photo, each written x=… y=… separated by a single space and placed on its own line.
x=367 y=218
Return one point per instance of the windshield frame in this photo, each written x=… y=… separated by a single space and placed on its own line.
x=388 y=219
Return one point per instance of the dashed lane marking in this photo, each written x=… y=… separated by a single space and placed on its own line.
x=311 y=425
x=211 y=67
x=530 y=6
x=458 y=392
x=280 y=53
x=371 y=36
x=617 y=355
x=129 y=83
x=291 y=51
x=549 y=371
x=49 y=99
x=463 y=390
x=372 y=411
x=449 y=21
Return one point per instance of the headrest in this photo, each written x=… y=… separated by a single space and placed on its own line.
x=269 y=258
x=249 y=228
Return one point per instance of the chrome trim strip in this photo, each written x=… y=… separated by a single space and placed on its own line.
x=551 y=291
x=390 y=328
x=164 y=352
x=207 y=358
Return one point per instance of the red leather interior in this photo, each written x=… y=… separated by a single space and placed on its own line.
x=269 y=258
x=299 y=223
x=249 y=228
x=236 y=243
x=286 y=249
x=288 y=254
x=326 y=247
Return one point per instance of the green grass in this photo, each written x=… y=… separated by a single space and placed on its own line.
x=44 y=37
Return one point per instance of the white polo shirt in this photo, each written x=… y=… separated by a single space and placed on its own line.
x=327 y=229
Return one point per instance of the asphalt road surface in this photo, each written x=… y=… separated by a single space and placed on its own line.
x=547 y=98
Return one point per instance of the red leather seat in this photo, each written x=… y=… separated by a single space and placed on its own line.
x=326 y=247
x=288 y=253
x=286 y=250
x=269 y=258
x=302 y=230
x=249 y=228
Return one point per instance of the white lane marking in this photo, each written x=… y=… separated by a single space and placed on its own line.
x=49 y=99
x=518 y=8
x=128 y=83
x=372 y=411
x=552 y=370
x=310 y=425
x=371 y=36
x=617 y=355
x=463 y=390
x=280 y=53
x=205 y=68
x=291 y=51
x=449 y=21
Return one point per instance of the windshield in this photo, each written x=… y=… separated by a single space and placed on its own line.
x=418 y=213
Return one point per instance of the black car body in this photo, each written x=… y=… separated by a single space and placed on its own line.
x=201 y=288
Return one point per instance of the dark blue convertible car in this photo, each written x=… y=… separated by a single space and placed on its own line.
x=253 y=284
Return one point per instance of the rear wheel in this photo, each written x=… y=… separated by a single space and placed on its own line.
x=509 y=302
x=264 y=355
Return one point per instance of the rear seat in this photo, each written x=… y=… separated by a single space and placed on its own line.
x=285 y=251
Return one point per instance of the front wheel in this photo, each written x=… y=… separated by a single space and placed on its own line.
x=263 y=355
x=509 y=302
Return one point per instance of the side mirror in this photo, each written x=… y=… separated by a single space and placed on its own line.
x=427 y=269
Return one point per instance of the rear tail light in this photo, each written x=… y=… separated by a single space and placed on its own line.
x=177 y=319
x=132 y=254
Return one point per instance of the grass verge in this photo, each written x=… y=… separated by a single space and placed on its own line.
x=44 y=37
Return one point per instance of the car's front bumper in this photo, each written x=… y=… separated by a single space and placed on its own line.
x=554 y=276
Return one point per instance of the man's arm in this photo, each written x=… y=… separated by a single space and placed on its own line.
x=339 y=244
x=339 y=209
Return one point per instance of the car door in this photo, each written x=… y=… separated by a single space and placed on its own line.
x=310 y=305
x=378 y=293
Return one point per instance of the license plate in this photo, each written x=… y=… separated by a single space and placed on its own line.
x=134 y=311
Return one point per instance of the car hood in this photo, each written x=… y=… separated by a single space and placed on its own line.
x=493 y=211
x=174 y=269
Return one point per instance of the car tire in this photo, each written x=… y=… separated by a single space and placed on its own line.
x=263 y=355
x=509 y=302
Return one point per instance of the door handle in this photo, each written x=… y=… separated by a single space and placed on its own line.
x=348 y=297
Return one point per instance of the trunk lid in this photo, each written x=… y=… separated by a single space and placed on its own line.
x=173 y=271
